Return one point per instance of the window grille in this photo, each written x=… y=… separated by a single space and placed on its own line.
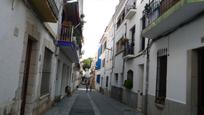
x=161 y=76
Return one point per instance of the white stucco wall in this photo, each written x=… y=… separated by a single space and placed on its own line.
x=11 y=49
x=178 y=43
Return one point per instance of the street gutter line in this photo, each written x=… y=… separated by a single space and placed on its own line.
x=72 y=103
x=95 y=108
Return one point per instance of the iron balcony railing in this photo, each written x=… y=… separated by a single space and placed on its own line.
x=166 y=4
x=156 y=8
x=131 y=4
x=66 y=33
x=152 y=11
x=129 y=49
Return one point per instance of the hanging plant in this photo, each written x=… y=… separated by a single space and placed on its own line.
x=124 y=41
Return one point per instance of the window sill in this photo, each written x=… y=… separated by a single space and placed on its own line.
x=44 y=96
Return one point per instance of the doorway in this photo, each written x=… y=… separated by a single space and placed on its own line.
x=26 y=75
x=58 y=80
x=140 y=90
x=200 y=81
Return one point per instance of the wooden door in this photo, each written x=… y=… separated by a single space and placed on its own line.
x=25 y=76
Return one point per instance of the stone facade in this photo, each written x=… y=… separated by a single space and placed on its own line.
x=170 y=108
x=129 y=98
x=116 y=93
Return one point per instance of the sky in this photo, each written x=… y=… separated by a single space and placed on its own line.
x=98 y=14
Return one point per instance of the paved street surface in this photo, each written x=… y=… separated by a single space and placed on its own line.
x=90 y=103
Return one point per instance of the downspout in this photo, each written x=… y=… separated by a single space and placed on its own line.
x=113 y=55
x=149 y=44
x=123 y=58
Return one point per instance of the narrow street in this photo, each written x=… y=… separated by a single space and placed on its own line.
x=90 y=103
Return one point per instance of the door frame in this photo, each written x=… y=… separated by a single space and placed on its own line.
x=200 y=85
x=28 y=71
x=192 y=80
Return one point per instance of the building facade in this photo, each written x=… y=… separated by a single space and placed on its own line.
x=98 y=69
x=29 y=57
x=176 y=63
x=158 y=56
x=106 y=58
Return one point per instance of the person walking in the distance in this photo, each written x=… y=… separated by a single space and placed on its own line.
x=87 y=85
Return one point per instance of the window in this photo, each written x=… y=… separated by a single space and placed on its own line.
x=161 y=76
x=104 y=62
x=129 y=82
x=121 y=18
x=105 y=46
x=45 y=80
x=107 y=78
x=143 y=21
x=132 y=43
x=132 y=30
x=98 y=79
x=142 y=39
x=130 y=75
x=142 y=43
x=116 y=78
x=119 y=46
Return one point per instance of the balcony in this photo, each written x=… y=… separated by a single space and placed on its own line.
x=165 y=16
x=67 y=43
x=47 y=10
x=129 y=50
x=66 y=32
x=71 y=13
x=130 y=9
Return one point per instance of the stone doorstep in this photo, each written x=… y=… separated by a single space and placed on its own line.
x=44 y=107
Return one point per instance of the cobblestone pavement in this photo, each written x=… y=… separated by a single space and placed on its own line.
x=90 y=103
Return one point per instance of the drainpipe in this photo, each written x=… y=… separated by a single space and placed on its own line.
x=113 y=55
x=149 y=44
x=124 y=59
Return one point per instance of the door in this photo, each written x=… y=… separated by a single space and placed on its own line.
x=26 y=74
x=64 y=80
x=201 y=81
x=57 y=82
x=140 y=91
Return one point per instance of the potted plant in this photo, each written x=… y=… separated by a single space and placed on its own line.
x=128 y=84
x=124 y=41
